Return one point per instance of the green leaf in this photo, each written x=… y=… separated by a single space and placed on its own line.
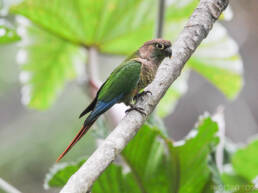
x=119 y=27
x=185 y=169
x=145 y=157
x=215 y=180
x=244 y=170
x=113 y=26
x=148 y=167
x=149 y=157
x=116 y=181
x=217 y=60
x=48 y=64
x=180 y=9
x=169 y=101
x=8 y=35
x=191 y=159
x=106 y=25
x=60 y=173
x=245 y=162
x=235 y=183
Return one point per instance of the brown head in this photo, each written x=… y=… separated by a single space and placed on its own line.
x=156 y=50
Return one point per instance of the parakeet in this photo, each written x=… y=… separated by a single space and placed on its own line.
x=125 y=83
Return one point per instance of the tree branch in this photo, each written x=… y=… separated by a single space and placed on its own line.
x=196 y=29
x=160 y=19
x=7 y=187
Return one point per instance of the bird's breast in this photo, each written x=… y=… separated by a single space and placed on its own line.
x=147 y=75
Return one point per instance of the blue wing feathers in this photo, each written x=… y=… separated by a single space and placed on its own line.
x=101 y=107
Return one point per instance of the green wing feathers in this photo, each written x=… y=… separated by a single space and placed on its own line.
x=122 y=81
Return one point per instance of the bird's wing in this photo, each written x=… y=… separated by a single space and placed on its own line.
x=121 y=82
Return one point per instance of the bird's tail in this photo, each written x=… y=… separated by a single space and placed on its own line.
x=100 y=107
x=79 y=135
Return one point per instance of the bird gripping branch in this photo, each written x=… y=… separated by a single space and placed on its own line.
x=125 y=82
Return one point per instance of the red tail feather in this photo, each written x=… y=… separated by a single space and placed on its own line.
x=79 y=135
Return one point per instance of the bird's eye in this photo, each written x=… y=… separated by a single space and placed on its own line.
x=160 y=46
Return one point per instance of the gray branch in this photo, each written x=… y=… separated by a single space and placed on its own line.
x=8 y=188
x=196 y=29
x=160 y=18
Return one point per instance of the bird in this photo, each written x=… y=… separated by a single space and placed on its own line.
x=125 y=84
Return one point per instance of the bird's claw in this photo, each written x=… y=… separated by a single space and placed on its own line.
x=140 y=95
x=139 y=109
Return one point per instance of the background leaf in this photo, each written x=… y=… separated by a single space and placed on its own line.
x=112 y=26
x=190 y=158
x=240 y=175
x=119 y=27
x=147 y=167
x=47 y=64
x=245 y=161
x=8 y=35
x=180 y=9
x=144 y=155
x=217 y=60
x=60 y=173
x=235 y=183
x=169 y=101
x=117 y=181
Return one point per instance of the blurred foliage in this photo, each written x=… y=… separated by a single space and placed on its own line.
x=8 y=35
x=109 y=25
x=7 y=31
x=169 y=101
x=34 y=139
x=61 y=171
x=151 y=162
x=217 y=60
x=120 y=27
x=237 y=184
x=245 y=161
x=51 y=49
x=243 y=175
x=47 y=67
x=156 y=164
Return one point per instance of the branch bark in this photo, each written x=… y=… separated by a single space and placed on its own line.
x=160 y=19
x=7 y=187
x=196 y=29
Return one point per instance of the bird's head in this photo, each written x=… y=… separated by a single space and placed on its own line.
x=156 y=50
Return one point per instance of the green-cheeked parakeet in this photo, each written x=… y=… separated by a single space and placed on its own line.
x=125 y=82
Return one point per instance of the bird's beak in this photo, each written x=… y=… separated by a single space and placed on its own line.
x=168 y=52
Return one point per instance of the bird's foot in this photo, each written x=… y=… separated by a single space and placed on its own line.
x=139 y=109
x=140 y=95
